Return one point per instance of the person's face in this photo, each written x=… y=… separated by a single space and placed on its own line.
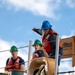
x=46 y=31
x=14 y=54
x=37 y=47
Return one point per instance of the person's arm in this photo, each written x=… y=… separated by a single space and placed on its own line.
x=6 y=67
x=31 y=58
x=22 y=67
x=22 y=64
x=39 y=31
x=34 y=55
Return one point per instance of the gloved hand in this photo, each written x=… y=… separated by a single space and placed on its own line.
x=34 y=29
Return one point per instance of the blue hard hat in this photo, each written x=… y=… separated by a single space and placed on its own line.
x=46 y=25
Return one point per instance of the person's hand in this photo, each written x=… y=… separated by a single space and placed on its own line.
x=25 y=71
x=6 y=68
x=6 y=72
x=34 y=29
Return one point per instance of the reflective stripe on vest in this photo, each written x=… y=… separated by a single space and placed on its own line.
x=46 y=42
x=16 y=65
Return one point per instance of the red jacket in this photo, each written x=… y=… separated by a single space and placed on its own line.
x=46 y=42
x=16 y=65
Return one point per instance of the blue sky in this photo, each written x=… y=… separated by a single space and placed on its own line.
x=18 y=17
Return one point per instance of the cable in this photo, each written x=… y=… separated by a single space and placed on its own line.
x=4 y=51
x=18 y=48
x=65 y=72
x=23 y=47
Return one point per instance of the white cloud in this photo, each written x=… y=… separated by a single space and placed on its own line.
x=39 y=7
x=71 y=70
x=48 y=8
x=5 y=45
x=66 y=36
x=66 y=66
x=70 y=3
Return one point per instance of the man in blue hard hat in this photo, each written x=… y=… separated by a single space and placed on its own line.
x=49 y=39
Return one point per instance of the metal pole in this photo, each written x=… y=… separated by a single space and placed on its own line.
x=29 y=53
x=56 y=55
x=74 y=70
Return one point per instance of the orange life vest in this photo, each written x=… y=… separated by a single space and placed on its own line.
x=16 y=65
x=46 y=42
